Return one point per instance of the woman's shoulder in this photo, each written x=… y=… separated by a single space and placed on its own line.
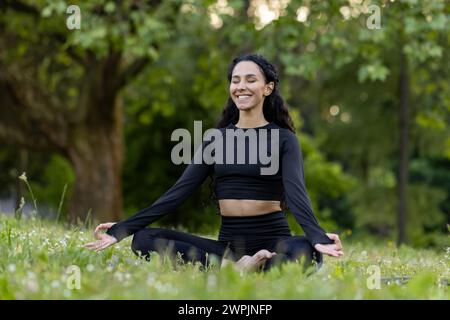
x=284 y=133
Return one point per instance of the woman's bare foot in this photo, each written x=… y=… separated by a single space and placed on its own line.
x=252 y=263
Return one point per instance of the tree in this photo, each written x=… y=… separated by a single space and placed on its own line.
x=60 y=88
x=360 y=77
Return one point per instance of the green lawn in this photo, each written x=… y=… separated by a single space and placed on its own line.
x=36 y=256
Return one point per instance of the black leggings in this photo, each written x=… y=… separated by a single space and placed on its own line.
x=238 y=236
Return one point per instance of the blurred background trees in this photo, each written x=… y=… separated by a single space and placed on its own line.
x=94 y=108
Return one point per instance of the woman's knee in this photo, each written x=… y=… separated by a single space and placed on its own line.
x=300 y=248
x=140 y=240
x=305 y=249
x=148 y=239
x=302 y=245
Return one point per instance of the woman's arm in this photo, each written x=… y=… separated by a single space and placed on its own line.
x=192 y=177
x=295 y=190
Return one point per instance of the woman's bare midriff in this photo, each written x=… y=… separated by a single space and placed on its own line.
x=245 y=207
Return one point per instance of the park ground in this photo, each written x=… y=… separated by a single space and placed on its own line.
x=44 y=260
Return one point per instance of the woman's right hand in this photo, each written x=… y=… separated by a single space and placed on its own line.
x=334 y=250
x=104 y=240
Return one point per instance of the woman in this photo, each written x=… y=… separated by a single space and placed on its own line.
x=254 y=233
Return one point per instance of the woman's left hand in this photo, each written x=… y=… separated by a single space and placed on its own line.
x=104 y=240
x=334 y=250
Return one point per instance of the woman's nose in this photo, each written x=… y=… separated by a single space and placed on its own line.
x=241 y=85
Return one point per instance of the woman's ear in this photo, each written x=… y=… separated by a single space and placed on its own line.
x=269 y=88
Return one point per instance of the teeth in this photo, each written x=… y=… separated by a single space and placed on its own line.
x=243 y=97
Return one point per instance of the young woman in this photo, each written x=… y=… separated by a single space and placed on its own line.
x=254 y=233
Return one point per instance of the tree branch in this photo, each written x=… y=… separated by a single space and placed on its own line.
x=34 y=105
x=20 y=7
x=24 y=136
x=131 y=71
x=98 y=88
x=60 y=37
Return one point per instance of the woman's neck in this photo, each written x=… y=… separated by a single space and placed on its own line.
x=251 y=120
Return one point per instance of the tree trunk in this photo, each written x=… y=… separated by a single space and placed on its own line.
x=96 y=145
x=97 y=155
x=403 y=150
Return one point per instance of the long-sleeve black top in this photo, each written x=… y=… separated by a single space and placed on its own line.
x=241 y=180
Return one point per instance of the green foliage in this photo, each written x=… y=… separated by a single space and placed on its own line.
x=56 y=174
x=327 y=60
x=373 y=72
x=324 y=180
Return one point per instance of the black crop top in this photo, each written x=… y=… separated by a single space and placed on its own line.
x=247 y=175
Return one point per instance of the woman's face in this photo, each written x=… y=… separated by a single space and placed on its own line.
x=248 y=87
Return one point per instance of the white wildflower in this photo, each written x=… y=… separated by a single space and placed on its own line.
x=211 y=281
x=90 y=267
x=364 y=255
x=32 y=285
x=151 y=279
x=11 y=267
x=23 y=177
x=118 y=276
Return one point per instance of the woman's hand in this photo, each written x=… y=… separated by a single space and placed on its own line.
x=334 y=250
x=104 y=239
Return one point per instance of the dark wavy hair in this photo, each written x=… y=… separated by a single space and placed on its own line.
x=274 y=108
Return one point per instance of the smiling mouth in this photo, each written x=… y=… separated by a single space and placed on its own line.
x=243 y=97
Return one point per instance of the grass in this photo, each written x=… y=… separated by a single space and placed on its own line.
x=37 y=255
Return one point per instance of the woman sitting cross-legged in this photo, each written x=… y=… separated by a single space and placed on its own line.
x=254 y=232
